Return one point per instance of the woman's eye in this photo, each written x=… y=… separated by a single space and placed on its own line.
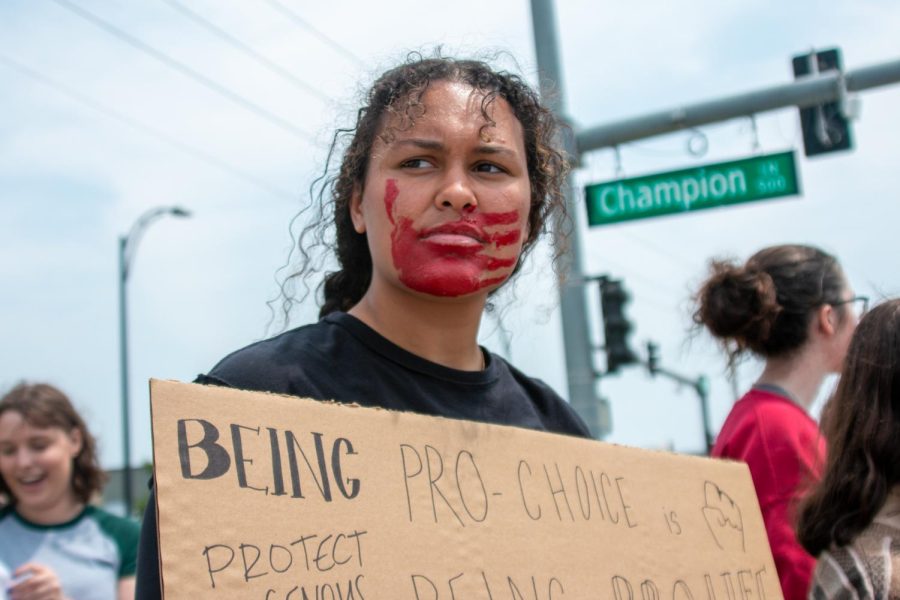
x=416 y=163
x=489 y=168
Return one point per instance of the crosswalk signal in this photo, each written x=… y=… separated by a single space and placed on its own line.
x=826 y=127
x=616 y=326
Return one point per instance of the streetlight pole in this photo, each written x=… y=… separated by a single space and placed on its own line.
x=127 y=247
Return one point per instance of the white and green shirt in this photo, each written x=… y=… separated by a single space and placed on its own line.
x=89 y=554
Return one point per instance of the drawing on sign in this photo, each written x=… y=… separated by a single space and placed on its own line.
x=723 y=517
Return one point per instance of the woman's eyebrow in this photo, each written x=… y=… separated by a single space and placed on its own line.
x=486 y=149
x=421 y=143
x=438 y=146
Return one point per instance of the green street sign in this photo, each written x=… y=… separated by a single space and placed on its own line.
x=698 y=188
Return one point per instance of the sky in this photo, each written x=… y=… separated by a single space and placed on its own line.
x=110 y=108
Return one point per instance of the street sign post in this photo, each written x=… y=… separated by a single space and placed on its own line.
x=698 y=188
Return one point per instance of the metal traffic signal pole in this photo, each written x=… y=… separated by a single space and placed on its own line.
x=573 y=304
x=804 y=92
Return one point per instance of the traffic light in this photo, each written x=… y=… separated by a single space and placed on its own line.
x=825 y=126
x=616 y=326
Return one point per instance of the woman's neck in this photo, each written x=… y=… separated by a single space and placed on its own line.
x=445 y=333
x=61 y=512
x=800 y=376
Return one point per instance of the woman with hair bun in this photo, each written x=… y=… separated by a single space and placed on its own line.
x=851 y=520
x=53 y=544
x=790 y=305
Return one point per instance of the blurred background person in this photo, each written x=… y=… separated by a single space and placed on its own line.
x=851 y=520
x=53 y=544
x=791 y=306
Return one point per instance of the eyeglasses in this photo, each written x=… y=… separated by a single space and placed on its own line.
x=859 y=302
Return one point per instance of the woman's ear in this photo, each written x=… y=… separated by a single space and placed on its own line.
x=827 y=319
x=77 y=441
x=356 y=210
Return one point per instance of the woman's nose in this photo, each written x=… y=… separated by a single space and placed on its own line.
x=456 y=193
x=23 y=458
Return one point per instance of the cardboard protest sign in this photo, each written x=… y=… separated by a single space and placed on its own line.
x=277 y=498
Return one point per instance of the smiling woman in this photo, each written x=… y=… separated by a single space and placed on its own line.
x=447 y=180
x=54 y=544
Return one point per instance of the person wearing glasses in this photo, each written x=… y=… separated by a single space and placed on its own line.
x=790 y=305
x=851 y=520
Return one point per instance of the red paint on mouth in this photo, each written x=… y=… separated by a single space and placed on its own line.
x=462 y=228
x=447 y=271
x=504 y=237
x=447 y=260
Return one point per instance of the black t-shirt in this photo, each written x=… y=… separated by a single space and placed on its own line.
x=341 y=358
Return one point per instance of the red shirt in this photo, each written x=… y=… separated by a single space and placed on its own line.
x=785 y=452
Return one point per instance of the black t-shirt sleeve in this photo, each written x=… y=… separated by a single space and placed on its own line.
x=148 y=586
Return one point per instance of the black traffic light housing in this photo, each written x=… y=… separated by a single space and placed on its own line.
x=616 y=326
x=825 y=126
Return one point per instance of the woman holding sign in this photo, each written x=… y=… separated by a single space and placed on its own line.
x=53 y=544
x=448 y=178
x=792 y=306
x=851 y=520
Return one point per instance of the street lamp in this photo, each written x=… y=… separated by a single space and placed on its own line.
x=127 y=247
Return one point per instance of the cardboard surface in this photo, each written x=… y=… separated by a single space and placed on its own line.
x=270 y=497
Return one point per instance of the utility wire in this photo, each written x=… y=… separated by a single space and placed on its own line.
x=249 y=51
x=188 y=71
x=284 y=10
x=145 y=129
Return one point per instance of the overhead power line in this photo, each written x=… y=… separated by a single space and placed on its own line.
x=146 y=129
x=310 y=28
x=188 y=71
x=249 y=51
